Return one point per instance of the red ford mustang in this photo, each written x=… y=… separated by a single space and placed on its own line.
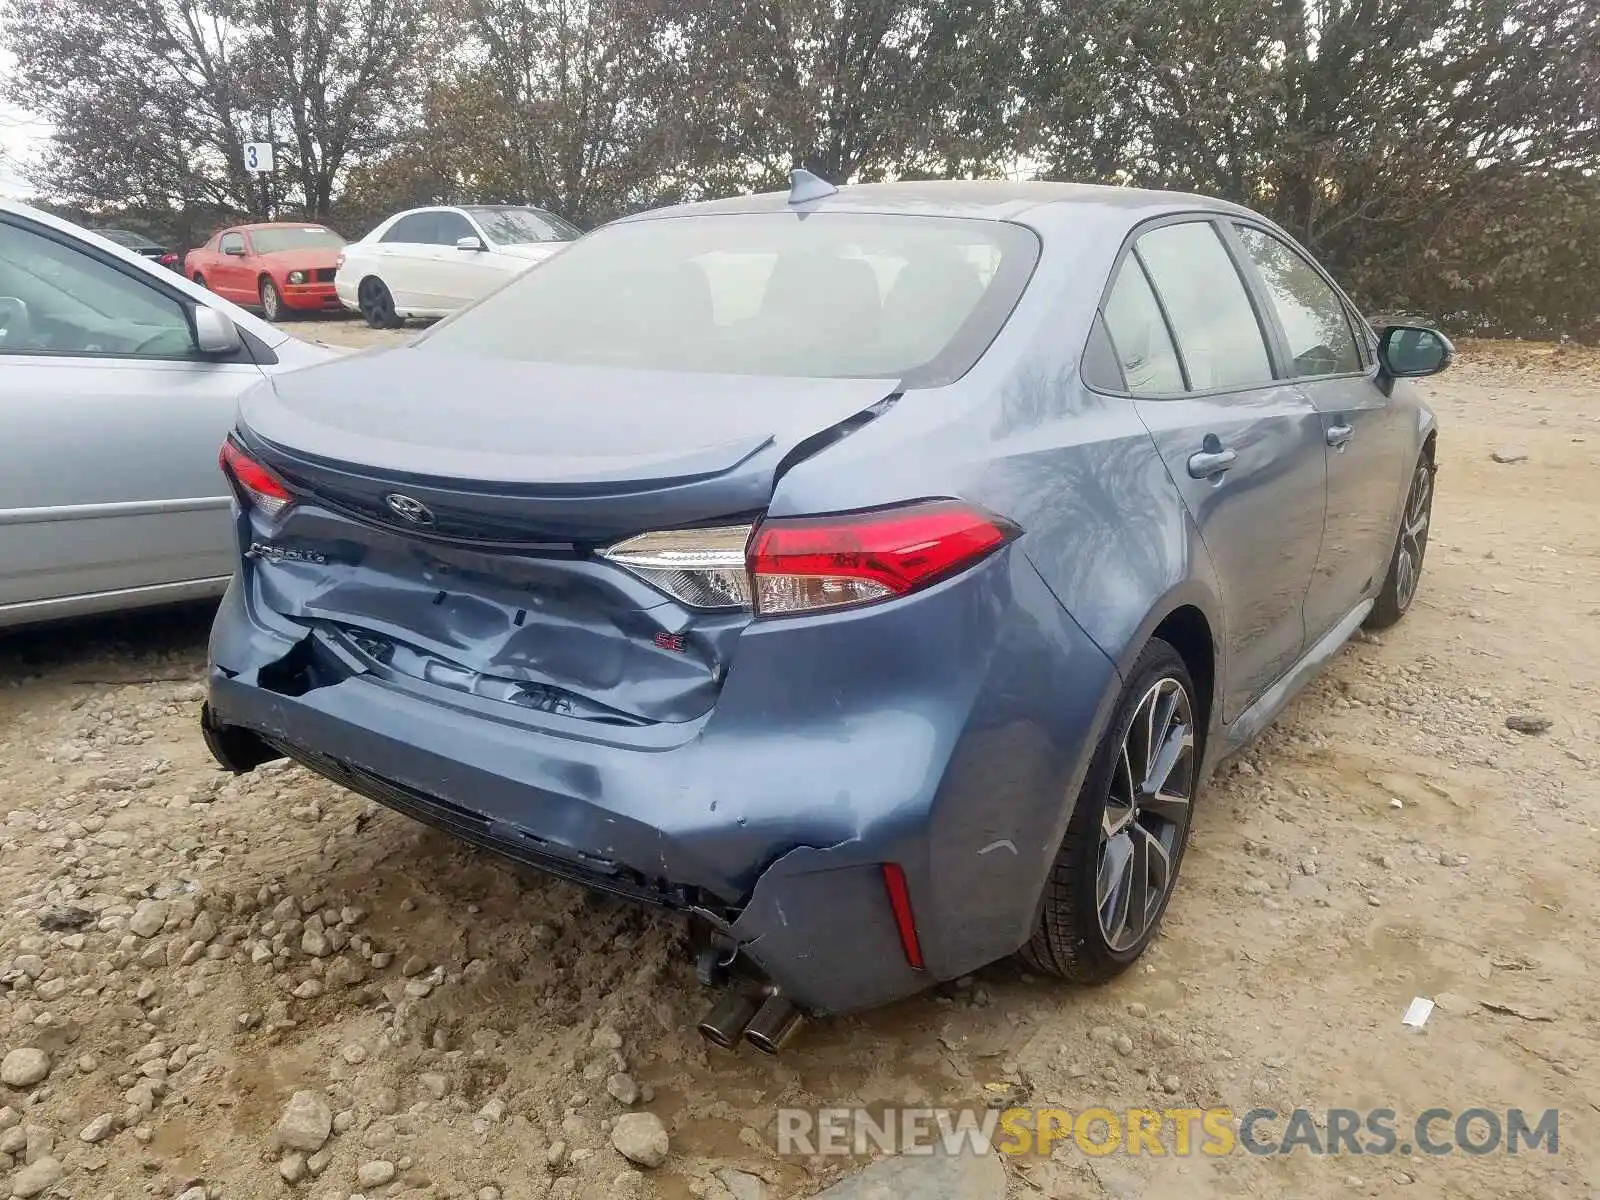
x=278 y=266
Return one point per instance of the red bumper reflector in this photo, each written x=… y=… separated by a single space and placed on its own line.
x=894 y=879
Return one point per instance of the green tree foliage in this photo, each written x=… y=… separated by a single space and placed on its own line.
x=1393 y=137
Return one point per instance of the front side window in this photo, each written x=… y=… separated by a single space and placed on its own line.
x=828 y=295
x=56 y=299
x=1311 y=313
x=1139 y=334
x=1216 y=328
x=451 y=227
x=231 y=243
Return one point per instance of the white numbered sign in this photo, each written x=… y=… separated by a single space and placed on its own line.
x=257 y=157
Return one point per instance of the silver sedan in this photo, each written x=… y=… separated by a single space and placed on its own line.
x=119 y=381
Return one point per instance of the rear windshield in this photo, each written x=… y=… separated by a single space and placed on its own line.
x=522 y=226
x=298 y=237
x=825 y=295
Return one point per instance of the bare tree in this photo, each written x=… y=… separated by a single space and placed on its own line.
x=851 y=89
x=153 y=100
x=573 y=104
x=340 y=76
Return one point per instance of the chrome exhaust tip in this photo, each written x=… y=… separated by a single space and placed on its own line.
x=725 y=1023
x=773 y=1025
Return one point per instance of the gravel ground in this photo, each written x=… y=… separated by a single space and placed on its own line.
x=266 y=986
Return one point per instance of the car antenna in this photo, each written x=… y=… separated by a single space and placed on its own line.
x=804 y=186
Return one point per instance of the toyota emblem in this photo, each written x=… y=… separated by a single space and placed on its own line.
x=408 y=508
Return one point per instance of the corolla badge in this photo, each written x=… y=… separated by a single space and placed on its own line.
x=279 y=554
x=409 y=508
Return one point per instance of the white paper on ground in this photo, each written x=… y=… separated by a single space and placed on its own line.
x=1417 y=1012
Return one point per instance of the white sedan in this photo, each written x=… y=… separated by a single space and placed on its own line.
x=428 y=262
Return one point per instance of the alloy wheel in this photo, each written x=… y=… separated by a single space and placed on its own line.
x=377 y=306
x=1414 y=535
x=271 y=302
x=1146 y=814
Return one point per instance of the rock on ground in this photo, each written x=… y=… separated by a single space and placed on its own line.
x=927 y=1177
x=24 y=1067
x=641 y=1138
x=305 y=1124
x=98 y=1129
x=36 y=1177
x=375 y=1174
x=148 y=918
x=741 y=1185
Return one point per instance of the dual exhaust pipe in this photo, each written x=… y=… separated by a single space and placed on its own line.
x=768 y=1028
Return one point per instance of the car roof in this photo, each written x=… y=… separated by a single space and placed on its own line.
x=995 y=200
x=276 y=225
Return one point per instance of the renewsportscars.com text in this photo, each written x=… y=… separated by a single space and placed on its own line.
x=1179 y=1132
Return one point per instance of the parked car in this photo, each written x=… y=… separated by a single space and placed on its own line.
x=872 y=574
x=142 y=246
x=278 y=267
x=429 y=262
x=119 y=378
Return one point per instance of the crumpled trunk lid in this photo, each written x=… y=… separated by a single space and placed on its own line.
x=451 y=511
x=514 y=453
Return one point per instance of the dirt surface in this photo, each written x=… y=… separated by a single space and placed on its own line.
x=190 y=950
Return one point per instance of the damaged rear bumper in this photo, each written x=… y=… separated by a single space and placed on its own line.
x=772 y=816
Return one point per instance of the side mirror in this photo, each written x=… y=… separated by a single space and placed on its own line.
x=1411 y=351
x=214 y=333
x=469 y=243
x=234 y=251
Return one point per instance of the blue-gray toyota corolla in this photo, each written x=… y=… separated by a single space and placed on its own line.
x=870 y=574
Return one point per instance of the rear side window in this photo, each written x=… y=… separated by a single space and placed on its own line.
x=1139 y=334
x=417 y=227
x=824 y=295
x=1218 y=336
x=1312 y=315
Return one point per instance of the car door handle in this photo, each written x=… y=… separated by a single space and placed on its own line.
x=1338 y=435
x=1208 y=464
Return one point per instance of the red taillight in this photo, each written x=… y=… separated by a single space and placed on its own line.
x=894 y=881
x=169 y=260
x=800 y=564
x=260 y=486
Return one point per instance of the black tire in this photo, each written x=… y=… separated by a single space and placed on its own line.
x=201 y=280
x=1410 y=548
x=377 y=305
x=271 y=300
x=1070 y=940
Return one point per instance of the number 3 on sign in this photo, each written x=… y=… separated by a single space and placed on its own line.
x=257 y=157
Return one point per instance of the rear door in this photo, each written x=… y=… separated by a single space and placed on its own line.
x=109 y=427
x=407 y=257
x=1244 y=447
x=1369 y=444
